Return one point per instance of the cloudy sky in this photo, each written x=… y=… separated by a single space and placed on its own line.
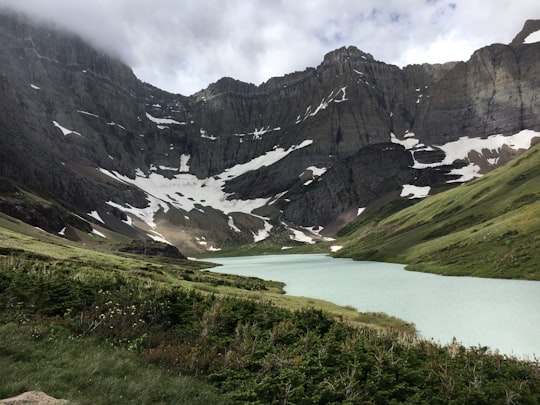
x=183 y=45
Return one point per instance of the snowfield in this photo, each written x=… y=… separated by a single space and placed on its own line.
x=163 y=121
x=460 y=149
x=411 y=191
x=187 y=192
x=64 y=130
x=532 y=38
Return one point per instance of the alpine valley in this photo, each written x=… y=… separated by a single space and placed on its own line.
x=106 y=183
x=87 y=148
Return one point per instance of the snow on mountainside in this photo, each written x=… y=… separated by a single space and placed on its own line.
x=289 y=160
x=186 y=192
x=470 y=149
x=532 y=38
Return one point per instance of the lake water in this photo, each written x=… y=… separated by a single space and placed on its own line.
x=501 y=314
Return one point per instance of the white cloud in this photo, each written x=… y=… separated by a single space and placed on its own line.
x=184 y=46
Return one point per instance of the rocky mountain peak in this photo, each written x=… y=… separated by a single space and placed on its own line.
x=345 y=53
x=227 y=85
x=530 y=27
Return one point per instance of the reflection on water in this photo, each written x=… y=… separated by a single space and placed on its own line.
x=501 y=314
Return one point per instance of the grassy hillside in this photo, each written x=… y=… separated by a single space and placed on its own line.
x=489 y=227
x=92 y=326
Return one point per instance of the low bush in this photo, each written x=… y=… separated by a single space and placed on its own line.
x=252 y=352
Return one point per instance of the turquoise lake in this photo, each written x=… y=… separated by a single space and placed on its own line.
x=501 y=314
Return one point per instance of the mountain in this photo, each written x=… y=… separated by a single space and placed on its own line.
x=290 y=160
x=488 y=227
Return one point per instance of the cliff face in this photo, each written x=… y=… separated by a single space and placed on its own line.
x=237 y=162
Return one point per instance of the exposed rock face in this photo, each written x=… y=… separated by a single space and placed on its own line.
x=233 y=163
x=529 y=27
x=152 y=249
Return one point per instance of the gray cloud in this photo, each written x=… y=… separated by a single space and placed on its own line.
x=183 y=46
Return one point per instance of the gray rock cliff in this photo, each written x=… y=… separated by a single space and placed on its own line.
x=296 y=151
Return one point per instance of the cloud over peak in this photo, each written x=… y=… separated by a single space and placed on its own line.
x=184 y=46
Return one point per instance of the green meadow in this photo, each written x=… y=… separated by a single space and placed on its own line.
x=93 y=326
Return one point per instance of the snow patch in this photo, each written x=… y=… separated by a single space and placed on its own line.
x=335 y=248
x=64 y=130
x=184 y=166
x=343 y=95
x=532 y=38
x=316 y=171
x=158 y=237
x=88 y=113
x=98 y=233
x=277 y=197
x=467 y=173
x=62 y=231
x=94 y=214
x=412 y=191
x=461 y=148
x=408 y=143
x=264 y=233
x=313 y=229
x=35 y=87
x=233 y=226
x=332 y=97
x=172 y=169
x=300 y=236
x=204 y=134
x=144 y=214
x=187 y=192
x=258 y=133
x=201 y=241
x=163 y=121
x=114 y=124
x=360 y=210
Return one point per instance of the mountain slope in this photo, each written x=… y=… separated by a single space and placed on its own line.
x=286 y=161
x=488 y=227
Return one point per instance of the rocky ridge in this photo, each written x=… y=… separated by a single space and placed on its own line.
x=239 y=163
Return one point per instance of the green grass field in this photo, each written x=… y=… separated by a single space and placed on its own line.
x=86 y=371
